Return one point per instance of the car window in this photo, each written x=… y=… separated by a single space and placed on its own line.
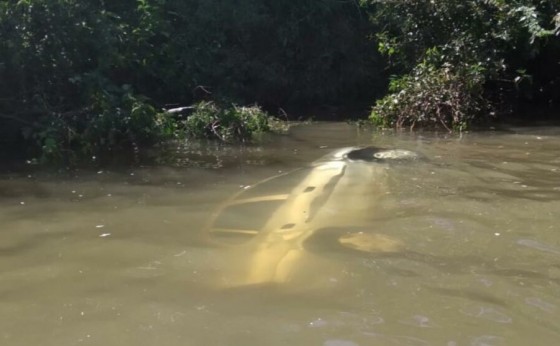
x=247 y=216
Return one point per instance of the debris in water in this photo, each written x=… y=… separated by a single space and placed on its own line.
x=104 y=235
x=318 y=323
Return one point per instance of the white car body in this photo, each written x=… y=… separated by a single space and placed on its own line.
x=339 y=191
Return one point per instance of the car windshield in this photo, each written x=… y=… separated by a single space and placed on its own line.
x=280 y=184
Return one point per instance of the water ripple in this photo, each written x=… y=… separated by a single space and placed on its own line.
x=539 y=246
x=541 y=304
x=487 y=313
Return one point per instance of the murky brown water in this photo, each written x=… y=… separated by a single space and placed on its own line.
x=123 y=258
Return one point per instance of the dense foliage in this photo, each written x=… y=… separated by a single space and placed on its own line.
x=448 y=96
x=452 y=57
x=80 y=78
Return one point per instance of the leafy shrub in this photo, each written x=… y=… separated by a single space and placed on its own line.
x=451 y=53
x=115 y=121
x=447 y=96
x=227 y=124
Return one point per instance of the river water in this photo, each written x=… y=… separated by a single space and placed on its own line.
x=458 y=247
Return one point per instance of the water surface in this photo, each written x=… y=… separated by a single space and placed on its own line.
x=122 y=257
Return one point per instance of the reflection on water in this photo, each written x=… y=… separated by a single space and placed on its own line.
x=124 y=258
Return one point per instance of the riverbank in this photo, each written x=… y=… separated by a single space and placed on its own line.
x=78 y=78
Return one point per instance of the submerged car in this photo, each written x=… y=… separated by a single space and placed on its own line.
x=273 y=222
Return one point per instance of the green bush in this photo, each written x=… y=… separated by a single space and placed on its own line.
x=226 y=124
x=114 y=121
x=454 y=57
x=450 y=96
